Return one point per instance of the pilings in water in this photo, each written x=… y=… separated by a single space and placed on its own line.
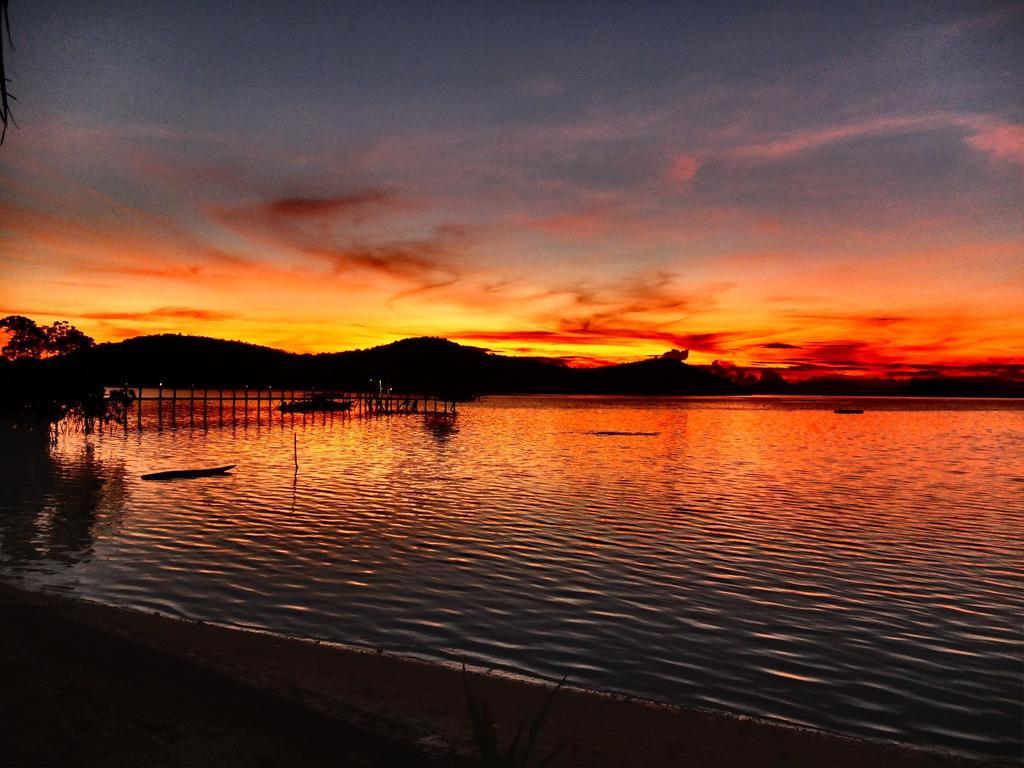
x=311 y=402
x=389 y=403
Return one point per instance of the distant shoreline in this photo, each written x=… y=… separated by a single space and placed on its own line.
x=406 y=709
x=438 y=367
x=278 y=391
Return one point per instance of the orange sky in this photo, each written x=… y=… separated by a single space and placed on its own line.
x=824 y=217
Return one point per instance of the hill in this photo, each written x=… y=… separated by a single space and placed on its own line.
x=420 y=364
x=436 y=366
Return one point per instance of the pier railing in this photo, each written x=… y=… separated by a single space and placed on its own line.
x=259 y=403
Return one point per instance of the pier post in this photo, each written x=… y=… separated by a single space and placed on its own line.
x=139 y=408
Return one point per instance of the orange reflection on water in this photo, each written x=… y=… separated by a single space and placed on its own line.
x=764 y=555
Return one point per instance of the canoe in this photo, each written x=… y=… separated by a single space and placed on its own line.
x=174 y=474
x=848 y=410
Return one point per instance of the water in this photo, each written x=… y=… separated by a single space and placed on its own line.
x=861 y=574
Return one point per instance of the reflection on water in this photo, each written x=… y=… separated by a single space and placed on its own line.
x=63 y=501
x=763 y=555
x=441 y=428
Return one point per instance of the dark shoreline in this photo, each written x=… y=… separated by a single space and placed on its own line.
x=87 y=684
x=436 y=366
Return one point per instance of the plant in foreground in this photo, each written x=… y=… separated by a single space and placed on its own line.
x=517 y=754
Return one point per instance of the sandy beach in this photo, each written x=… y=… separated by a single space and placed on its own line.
x=86 y=684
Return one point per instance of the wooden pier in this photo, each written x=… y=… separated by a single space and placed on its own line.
x=264 y=404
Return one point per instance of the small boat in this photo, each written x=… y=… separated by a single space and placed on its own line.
x=314 y=404
x=848 y=410
x=175 y=474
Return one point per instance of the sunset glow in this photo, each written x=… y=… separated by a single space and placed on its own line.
x=840 y=192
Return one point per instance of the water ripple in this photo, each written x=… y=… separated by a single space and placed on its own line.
x=756 y=555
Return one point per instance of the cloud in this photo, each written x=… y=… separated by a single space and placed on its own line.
x=803 y=140
x=586 y=336
x=985 y=133
x=859 y=319
x=357 y=207
x=682 y=168
x=634 y=312
x=162 y=313
x=331 y=230
x=1001 y=140
x=408 y=259
x=1000 y=369
x=890 y=357
x=659 y=298
x=115 y=241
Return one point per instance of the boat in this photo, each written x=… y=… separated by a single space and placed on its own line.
x=314 y=404
x=848 y=410
x=175 y=474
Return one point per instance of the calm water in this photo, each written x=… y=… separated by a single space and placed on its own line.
x=863 y=574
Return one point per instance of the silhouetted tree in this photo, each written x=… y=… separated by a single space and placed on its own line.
x=27 y=341
x=31 y=341
x=62 y=337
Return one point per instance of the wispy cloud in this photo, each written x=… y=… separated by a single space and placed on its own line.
x=162 y=313
x=1003 y=141
x=806 y=139
x=118 y=244
x=356 y=207
x=583 y=336
x=986 y=133
x=332 y=231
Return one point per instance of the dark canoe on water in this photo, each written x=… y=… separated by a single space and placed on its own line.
x=175 y=474
x=848 y=410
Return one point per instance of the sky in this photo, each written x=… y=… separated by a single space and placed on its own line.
x=819 y=187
